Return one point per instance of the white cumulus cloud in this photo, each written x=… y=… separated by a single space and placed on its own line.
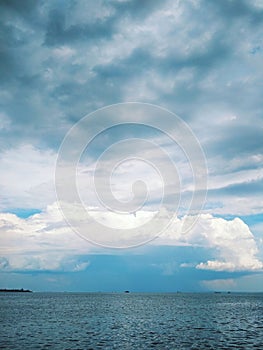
x=45 y=242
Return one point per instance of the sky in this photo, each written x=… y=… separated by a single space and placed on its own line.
x=131 y=145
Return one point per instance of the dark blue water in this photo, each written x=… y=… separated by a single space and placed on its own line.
x=131 y=321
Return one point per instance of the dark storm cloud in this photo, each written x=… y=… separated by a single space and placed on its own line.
x=31 y=101
x=245 y=189
x=57 y=34
x=242 y=199
x=237 y=140
x=143 y=60
x=22 y=7
x=60 y=61
x=12 y=39
x=238 y=9
x=137 y=9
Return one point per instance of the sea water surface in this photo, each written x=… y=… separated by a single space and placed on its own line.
x=131 y=321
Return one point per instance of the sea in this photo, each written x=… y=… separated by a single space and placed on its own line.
x=131 y=321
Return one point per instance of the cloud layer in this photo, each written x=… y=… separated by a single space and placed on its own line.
x=200 y=59
x=45 y=242
x=61 y=62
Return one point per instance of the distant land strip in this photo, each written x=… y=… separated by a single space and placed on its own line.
x=16 y=290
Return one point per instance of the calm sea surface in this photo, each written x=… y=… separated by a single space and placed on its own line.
x=131 y=321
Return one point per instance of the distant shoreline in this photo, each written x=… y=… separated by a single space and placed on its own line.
x=5 y=290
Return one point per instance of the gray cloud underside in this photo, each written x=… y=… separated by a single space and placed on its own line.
x=200 y=59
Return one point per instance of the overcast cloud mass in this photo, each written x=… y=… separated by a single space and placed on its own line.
x=200 y=59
